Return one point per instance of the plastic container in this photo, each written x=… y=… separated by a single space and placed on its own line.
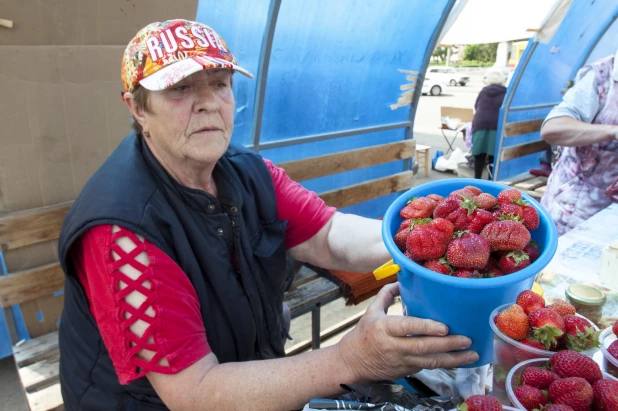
x=610 y=364
x=463 y=304
x=508 y=352
x=512 y=380
x=587 y=300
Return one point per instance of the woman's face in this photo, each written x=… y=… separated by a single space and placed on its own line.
x=192 y=121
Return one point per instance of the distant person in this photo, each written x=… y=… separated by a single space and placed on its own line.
x=485 y=121
x=585 y=126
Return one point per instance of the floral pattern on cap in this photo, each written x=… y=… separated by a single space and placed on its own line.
x=162 y=44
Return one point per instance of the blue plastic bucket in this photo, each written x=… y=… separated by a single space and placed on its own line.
x=463 y=304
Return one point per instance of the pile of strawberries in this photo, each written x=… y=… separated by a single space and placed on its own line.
x=569 y=379
x=480 y=403
x=469 y=234
x=554 y=327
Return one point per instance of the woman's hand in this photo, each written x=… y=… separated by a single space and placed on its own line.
x=379 y=348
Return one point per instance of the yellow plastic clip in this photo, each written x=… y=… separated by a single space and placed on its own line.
x=386 y=270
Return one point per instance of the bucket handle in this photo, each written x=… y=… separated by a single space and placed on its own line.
x=386 y=270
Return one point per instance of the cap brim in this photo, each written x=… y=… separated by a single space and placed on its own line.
x=175 y=72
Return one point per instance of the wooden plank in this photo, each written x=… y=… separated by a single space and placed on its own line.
x=33 y=226
x=327 y=333
x=305 y=275
x=517 y=179
x=357 y=193
x=47 y=399
x=523 y=127
x=541 y=189
x=535 y=194
x=41 y=374
x=36 y=349
x=320 y=166
x=532 y=184
x=28 y=285
x=310 y=294
x=510 y=153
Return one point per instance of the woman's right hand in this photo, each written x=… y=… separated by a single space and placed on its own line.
x=379 y=347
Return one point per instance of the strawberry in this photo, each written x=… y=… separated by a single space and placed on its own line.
x=580 y=333
x=446 y=206
x=530 y=301
x=461 y=216
x=547 y=326
x=467 y=191
x=532 y=249
x=429 y=241
x=511 y=212
x=613 y=349
x=575 y=392
x=557 y=407
x=480 y=403
x=605 y=395
x=513 y=322
x=562 y=307
x=485 y=201
x=469 y=250
x=523 y=355
x=508 y=196
x=420 y=207
x=570 y=363
x=439 y=266
x=435 y=197
x=514 y=261
x=479 y=219
x=530 y=397
x=531 y=217
x=615 y=328
x=400 y=239
x=506 y=235
x=467 y=273
x=492 y=270
x=405 y=224
x=537 y=377
x=407 y=254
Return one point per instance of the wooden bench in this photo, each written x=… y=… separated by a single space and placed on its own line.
x=37 y=359
x=533 y=185
x=422 y=156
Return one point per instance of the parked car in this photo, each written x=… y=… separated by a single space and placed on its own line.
x=448 y=75
x=433 y=87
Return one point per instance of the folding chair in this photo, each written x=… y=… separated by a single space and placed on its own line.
x=452 y=119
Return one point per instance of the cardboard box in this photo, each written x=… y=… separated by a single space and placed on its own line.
x=60 y=106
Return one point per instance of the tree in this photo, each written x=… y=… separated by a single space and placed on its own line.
x=440 y=53
x=481 y=52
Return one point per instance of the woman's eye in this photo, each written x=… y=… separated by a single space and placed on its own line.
x=181 y=87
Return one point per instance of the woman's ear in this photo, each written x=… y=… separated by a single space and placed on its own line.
x=138 y=112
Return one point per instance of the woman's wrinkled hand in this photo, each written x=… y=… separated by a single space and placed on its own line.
x=387 y=347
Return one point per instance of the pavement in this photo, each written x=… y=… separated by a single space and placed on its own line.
x=426 y=132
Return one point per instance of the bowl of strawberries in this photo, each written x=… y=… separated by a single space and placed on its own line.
x=568 y=381
x=530 y=328
x=608 y=340
x=464 y=247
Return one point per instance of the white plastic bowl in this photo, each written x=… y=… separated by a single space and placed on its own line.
x=610 y=364
x=513 y=378
x=508 y=352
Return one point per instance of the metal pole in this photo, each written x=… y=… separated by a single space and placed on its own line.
x=262 y=73
x=504 y=111
x=421 y=72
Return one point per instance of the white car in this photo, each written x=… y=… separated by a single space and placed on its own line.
x=448 y=75
x=433 y=87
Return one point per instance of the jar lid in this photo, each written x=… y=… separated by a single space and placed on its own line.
x=586 y=294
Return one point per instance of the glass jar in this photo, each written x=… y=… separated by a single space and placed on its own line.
x=587 y=300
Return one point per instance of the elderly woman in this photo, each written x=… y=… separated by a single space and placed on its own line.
x=174 y=254
x=585 y=126
x=485 y=121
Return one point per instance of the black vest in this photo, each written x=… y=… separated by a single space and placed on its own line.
x=241 y=308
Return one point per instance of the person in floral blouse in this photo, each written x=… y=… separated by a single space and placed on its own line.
x=585 y=125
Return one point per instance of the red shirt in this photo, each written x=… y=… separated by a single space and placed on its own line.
x=174 y=330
